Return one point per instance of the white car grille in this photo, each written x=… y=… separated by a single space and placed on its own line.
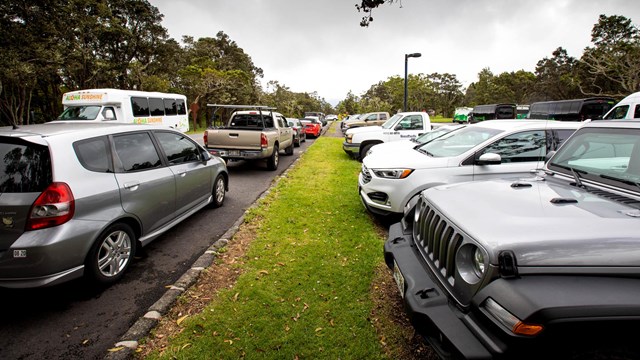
x=366 y=175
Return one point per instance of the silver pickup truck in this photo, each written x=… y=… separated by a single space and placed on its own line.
x=542 y=267
x=256 y=134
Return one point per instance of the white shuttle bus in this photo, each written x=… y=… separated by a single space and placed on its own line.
x=125 y=106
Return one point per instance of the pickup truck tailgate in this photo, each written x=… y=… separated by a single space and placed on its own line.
x=234 y=139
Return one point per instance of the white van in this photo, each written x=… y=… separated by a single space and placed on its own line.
x=627 y=108
x=125 y=106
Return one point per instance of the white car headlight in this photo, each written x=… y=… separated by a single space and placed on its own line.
x=392 y=173
x=349 y=138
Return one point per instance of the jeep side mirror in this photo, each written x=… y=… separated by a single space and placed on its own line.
x=489 y=159
x=549 y=155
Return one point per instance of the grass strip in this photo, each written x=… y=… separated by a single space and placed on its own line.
x=305 y=288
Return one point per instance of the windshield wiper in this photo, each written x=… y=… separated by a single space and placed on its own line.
x=574 y=172
x=425 y=152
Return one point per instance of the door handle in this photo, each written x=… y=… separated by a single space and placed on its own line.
x=132 y=185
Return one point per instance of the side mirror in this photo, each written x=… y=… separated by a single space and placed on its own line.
x=206 y=156
x=397 y=127
x=109 y=114
x=489 y=159
x=549 y=155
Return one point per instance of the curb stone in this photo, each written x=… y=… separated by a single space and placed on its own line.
x=126 y=346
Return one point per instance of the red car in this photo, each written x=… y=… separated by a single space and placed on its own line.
x=312 y=127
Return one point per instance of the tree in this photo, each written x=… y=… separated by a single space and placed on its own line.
x=555 y=77
x=367 y=6
x=611 y=66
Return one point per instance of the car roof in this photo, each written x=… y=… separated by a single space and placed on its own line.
x=82 y=129
x=526 y=124
x=622 y=123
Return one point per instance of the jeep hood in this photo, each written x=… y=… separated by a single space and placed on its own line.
x=549 y=223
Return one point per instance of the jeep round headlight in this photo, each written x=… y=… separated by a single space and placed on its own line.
x=471 y=263
x=478 y=263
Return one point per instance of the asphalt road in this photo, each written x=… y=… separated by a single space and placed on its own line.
x=80 y=321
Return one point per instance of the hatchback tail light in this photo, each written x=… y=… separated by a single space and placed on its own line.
x=55 y=206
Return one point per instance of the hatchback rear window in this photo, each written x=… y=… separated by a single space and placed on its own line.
x=24 y=167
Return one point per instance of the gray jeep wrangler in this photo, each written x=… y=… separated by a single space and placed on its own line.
x=542 y=267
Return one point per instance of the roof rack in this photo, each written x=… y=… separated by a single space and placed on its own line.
x=216 y=107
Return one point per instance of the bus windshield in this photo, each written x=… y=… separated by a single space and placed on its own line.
x=80 y=113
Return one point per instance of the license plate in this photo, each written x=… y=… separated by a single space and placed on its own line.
x=234 y=152
x=397 y=276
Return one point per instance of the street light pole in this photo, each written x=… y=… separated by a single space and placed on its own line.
x=406 y=61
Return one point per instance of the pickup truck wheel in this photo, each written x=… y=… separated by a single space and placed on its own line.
x=219 y=192
x=274 y=159
x=289 y=149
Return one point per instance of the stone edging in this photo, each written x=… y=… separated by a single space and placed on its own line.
x=142 y=327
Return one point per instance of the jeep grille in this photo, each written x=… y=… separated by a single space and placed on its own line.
x=438 y=243
x=366 y=175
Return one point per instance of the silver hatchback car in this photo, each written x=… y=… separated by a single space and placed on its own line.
x=79 y=199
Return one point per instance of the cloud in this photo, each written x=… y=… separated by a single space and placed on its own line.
x=319 y=46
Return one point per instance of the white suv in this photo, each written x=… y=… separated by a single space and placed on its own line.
x=491 y=149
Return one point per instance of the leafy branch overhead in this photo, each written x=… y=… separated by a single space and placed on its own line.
x=367 y=6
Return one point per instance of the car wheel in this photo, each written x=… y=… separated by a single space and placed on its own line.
x=296 y=142
x=111 y=255
x=289 y=149
x=304 y=138
x=219 y=192
x=274 y=159
x=364 y=151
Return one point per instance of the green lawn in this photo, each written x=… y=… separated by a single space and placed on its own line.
x=309 y=278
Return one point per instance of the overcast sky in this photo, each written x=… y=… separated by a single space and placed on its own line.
x=319 y=45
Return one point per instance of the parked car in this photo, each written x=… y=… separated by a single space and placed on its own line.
x=251 y=135
x=400 y=145
x=348 y=118
x=403 y=125
x=368 y=119
x=299 y=135
x=80 y=199
x=491 y=149
x=312 y=127
x=542 y=267
x=461 y=115
x=332 y=117
x=627 y=108
x=492 y=112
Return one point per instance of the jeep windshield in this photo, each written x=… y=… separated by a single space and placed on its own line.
x=89 y=112
x=601 y=154
x=457 y=142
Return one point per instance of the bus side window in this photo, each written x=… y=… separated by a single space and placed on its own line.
x=108 y=114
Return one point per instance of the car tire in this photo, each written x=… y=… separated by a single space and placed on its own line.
x=304 y=138
x=274 y=159
x=111 y=254
x=364 y=151
x=219 y=192
x=289 y=149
